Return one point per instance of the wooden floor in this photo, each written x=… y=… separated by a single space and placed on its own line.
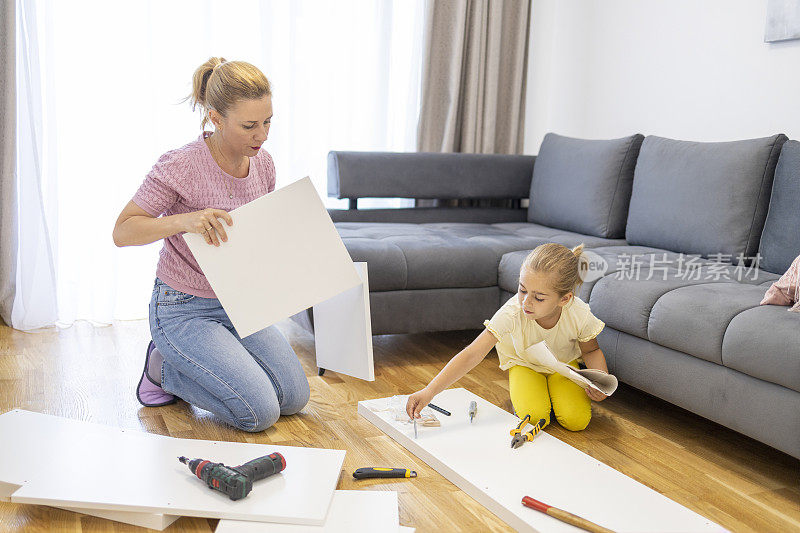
x=90 y=373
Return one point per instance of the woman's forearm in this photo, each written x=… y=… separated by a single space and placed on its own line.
x=140 y=230
x=595 y=359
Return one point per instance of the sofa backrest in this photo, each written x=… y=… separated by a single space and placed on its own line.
x=583 y=185
x=703 y=198
x=780 y=241
x=428 y=175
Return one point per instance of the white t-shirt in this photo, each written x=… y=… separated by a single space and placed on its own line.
x=576 y=324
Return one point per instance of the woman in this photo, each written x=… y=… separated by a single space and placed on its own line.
x=196 y=353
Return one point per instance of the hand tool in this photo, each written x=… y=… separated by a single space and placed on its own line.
x=369 y=473
x=415 y=428
x=437 y=408
x=521 y=438
x=237 y=481
x=564 y=516
x=473 y=410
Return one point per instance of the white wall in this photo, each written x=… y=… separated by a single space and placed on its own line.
x=684 y=69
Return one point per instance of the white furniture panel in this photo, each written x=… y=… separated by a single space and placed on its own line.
x=351 y=511
x=478 y=458
x=343 y=331
x=21 y=450
x=130 y=471
x=283 y=255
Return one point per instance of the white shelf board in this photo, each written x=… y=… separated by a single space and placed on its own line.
x=351 y=511
x=343 y=331
x=81 y=465
x=478 y=458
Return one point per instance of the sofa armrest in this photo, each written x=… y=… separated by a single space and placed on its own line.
x=428 y=175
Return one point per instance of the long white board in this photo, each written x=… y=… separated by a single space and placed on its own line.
x=478 y=459
x=351 y=511
x=131 y=471
x=283 y=255
x=21 y=451
x=343 y=331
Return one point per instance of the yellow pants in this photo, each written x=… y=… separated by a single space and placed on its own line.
x=533 y=394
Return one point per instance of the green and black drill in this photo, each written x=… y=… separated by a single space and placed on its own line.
x=237 y=481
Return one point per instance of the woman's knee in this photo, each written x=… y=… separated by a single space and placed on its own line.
x=260 y=418
x=295 y=397
x=260 y=422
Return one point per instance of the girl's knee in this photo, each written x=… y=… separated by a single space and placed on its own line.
x=574 y=419
x=528 y=391
x=535 y=414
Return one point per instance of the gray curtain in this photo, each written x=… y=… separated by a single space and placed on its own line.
x=473 y=89
x=8 y=191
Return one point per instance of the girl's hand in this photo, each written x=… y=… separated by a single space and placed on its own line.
x=417 y=401
x=206 y=223
x=595 y=395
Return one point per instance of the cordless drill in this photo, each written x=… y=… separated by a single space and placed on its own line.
x=237 y=481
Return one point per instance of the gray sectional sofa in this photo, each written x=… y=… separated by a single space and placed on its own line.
x=688 y=237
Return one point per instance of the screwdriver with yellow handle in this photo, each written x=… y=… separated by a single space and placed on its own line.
x=369 y=473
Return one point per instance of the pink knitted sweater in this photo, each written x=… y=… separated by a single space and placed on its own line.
x=189 y=179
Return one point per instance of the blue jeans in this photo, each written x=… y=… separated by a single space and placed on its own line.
x=246 y=382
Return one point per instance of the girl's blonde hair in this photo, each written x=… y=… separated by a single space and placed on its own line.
x=219 y=84
x=560 y=261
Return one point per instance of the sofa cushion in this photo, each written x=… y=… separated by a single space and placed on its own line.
x=702 y=198
x=693 y=319
x=583 y=185
x=625 y=304
x=625 y=299
x=440 y=255
x=386 y=262
x=628 y=259
x=498 y=240
x=412 y=256
x=569 y=239
x=780 y=241
x=763 y=342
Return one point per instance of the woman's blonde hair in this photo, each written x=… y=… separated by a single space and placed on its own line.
x=561 y=262
x=219 y=84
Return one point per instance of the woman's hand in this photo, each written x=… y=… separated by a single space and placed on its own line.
x=595 y=395
x=417 y=401
x=206 y=223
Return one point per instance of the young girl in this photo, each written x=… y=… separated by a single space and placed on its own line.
x=196 y=353
x=544 y=309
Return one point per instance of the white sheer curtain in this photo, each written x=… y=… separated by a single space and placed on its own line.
x=99 y=85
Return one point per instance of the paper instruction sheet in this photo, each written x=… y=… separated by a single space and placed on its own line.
x=588 y=377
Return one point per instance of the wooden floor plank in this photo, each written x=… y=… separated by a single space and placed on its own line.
x=89 y=373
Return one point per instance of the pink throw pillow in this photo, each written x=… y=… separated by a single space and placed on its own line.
x=786 y=291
